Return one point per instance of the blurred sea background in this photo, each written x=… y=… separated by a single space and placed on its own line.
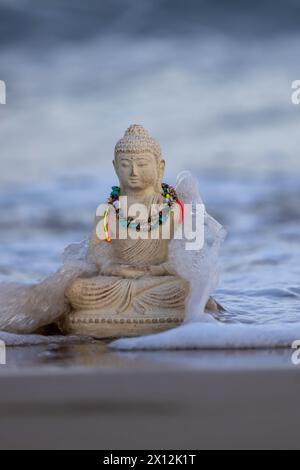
x=210 y=80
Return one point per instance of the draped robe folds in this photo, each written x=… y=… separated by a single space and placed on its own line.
x=149 y=294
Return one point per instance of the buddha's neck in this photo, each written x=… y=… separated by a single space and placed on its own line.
x=138 y=195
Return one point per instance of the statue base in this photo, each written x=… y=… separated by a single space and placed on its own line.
x=99 y=325
x=111 y=306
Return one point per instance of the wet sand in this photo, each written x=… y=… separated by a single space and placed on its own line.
x=84 y=396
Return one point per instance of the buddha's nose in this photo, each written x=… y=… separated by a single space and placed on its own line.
x=133 y=170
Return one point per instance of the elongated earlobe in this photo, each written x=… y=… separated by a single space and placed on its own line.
x=161 y=168
x=160 y=172
x=115 y=165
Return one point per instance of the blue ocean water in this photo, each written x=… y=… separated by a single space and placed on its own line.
x=259 y=279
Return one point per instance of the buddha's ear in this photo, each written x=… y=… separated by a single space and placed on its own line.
x=115 y=166
x=161 y=168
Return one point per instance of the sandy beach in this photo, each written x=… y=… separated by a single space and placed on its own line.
x=83 y=396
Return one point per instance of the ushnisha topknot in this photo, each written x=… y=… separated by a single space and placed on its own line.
x=137 y=140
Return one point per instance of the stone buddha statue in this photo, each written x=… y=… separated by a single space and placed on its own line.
x=135 y=290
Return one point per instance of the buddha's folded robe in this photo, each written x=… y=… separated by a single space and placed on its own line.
x=158 y=289
x=155 y=287
x=143 y=295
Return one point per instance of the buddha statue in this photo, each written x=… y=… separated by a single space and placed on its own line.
x=135 y=290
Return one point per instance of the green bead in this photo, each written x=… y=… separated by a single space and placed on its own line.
x=115 y=190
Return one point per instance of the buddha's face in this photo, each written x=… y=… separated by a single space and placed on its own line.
x=138 y=171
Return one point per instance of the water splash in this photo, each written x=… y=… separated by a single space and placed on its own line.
x=201 y=330
x=26 y=308
x=199 y=267
x=199 y=335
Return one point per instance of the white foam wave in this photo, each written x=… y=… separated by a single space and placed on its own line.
x=216 y=335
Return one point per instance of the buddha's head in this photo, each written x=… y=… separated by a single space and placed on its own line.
x=138 y=161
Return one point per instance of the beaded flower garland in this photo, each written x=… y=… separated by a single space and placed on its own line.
x=170 y=198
